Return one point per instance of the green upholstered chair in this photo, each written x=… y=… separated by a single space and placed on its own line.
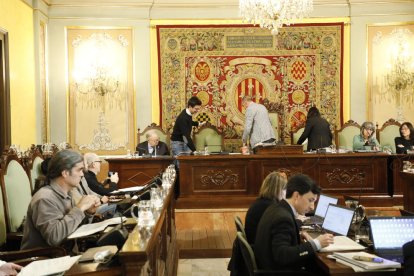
x=208 y=136
x=163 y=135
x=274 y=120
x=345 y=135
x=386 y=134
x=32 y=164
x=16 y=190
x=295 y=135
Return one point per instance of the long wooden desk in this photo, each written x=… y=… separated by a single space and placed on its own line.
x=137 y=171
x=222 y=181
x=144 y=253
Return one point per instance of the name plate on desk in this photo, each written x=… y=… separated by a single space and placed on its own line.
x=279 y=149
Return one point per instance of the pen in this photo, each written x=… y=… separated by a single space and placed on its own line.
x=367 y=259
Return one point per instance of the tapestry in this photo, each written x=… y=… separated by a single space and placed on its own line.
x=288 y=73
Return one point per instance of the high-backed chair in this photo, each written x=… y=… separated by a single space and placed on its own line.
x=163 y=135
x=32 y=164
x=16 y=190
x=208 y=136
x=250 y=260
x=386 y=134
x=345 y=135
x=295 y=135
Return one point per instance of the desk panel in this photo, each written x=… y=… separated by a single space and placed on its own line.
x=234 y=180
x=137 y=171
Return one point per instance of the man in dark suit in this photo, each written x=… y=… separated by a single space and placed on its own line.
x=279 y=244
x=153 y=146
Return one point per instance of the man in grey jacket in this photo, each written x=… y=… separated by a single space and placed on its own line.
x=257 y=124
x=52 y=214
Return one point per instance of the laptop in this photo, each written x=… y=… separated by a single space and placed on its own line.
x=389 y=234
x=320 y=211
x=337 y=221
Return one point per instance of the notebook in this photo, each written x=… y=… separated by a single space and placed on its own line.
x=337 y=221
x=320 y=211
x=389 y=234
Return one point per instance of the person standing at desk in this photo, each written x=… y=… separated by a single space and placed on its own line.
x=366 y=138
x=257 y=124
x=405 y=142
x=278 y=242
x=316 y=130
x=181 y=136
x=153 y=146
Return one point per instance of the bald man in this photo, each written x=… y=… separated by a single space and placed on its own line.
x=153 y=146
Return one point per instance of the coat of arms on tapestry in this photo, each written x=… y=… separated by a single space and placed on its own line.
x=288 y=73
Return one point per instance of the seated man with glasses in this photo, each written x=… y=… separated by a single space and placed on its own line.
x=93 y=164
x=153 y=146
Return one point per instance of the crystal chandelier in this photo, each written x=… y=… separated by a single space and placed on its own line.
x=272 y=14
x=398 y=82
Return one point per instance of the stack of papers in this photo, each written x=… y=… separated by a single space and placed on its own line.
x=348 y=259
x=342 y=243
x=92 y=228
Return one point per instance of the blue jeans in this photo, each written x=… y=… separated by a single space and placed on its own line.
x=179 y=148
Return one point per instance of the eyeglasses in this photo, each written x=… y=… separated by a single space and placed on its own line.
x=98 y=161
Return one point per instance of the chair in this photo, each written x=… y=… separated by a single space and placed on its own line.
x=24 y=257
x=295 y=135
x=16 y=190
x=250 y=260
x=163 y=135
x=386 y=134
x=239 y=225
x=344 y=136
x=208 y=136
x=32 y=164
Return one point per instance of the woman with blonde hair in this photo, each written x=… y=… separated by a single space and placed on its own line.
x=272 y=191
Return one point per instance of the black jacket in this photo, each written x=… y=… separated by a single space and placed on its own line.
x=96 y=186
x=278 y=244
x=318 y=133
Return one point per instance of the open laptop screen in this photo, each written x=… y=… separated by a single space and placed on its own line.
x=391 y=232
x=338 y=219
x=323 y=203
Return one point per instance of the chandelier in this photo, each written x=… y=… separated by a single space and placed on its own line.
x=272 y=14
x=398 y=81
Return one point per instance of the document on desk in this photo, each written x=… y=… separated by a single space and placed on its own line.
x=366 y=265
x=342 y=243
x=92 y=228
x=56 y=266
x=129 y=189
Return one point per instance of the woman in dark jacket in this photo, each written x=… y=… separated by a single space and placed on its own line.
x=405 y=142
x=317 y=131
x=273 y=190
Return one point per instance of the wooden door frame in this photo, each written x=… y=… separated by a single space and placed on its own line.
x=5 y=121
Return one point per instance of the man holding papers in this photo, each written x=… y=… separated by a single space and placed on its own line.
x=52 y=214
x=279 y=245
